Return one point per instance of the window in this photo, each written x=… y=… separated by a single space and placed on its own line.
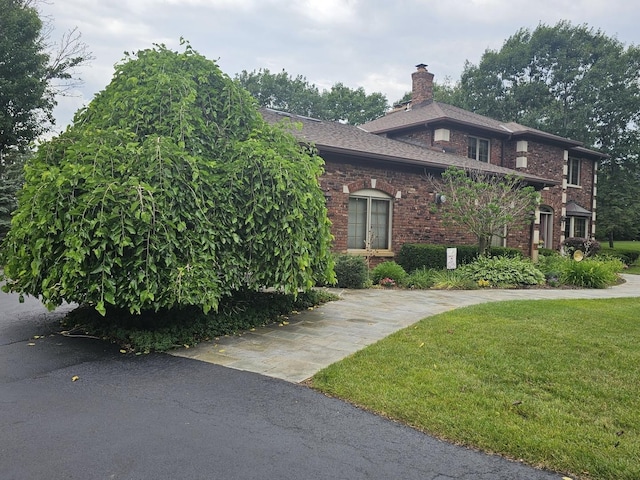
x=499 y=238
x=546 y=227
x=576 y=227
x=478 y=149
x=573 y=173
x=369 y=220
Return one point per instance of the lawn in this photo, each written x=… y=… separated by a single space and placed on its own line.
x=554 y=383
x=624 y=245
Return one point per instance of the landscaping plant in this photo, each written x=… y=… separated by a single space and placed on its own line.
x=503 y=272
x=388 y=270
x=169 y=190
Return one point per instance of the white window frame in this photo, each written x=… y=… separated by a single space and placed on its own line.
x=476 y=156
x=570 y=227
x=546 y=226
x=370 y=195
x=574 y=166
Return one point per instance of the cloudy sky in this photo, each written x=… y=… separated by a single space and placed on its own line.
x=373 y=44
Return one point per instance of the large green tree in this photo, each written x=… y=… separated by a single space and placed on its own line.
x=33 y=70
x=169 y=189
x=573 y=81
x=282 y=91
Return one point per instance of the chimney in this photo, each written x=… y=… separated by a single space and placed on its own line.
x=422 y=85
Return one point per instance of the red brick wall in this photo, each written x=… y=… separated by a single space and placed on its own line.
x=412 y=217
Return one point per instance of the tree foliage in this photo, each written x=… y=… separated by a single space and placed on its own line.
x=576 y=82
x=282 y=91
x=11 y=179
x=32 y=72
x=484 y=204
x=169 y=189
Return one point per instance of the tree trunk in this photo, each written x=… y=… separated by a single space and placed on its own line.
x=611 y=239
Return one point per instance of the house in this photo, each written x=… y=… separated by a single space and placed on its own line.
x=376 y=175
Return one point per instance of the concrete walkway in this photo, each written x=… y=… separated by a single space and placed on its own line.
x=314 y=339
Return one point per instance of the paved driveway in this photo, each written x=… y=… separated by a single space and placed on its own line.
x=166 y=417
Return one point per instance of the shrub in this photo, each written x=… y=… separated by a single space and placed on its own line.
x=413 y=256
x=503 y=272
x=552 y=267
x=627 y=256
x=591 y=272
x=452 y=280
x=388 y=270
x=585 y=245
x=351 y=271
x=421 y=278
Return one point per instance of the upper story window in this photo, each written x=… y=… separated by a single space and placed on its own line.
x=573 y=173
x=478 y=149
x=369 y=220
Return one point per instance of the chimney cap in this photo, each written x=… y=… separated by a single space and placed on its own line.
x=421 y=66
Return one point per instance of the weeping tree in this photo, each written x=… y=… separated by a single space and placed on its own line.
x=169 y=189
x=484 y=204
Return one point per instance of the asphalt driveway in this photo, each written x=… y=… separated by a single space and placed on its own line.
x=166 y=417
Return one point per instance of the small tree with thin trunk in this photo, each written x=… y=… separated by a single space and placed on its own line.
x=484 y=204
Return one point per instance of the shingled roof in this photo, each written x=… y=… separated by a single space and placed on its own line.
x=433 y=113
x=355 y=142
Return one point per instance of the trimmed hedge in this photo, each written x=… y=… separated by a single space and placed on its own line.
x=627 y=256
x=413 y=256
x=351 y=271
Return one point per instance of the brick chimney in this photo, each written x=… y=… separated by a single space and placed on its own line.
x=422 y=90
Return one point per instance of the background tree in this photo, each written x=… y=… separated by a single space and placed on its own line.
x=169 y=189
x=11 y=178
x=576 y=82
x=32 y=71
x=484 y=204
x=296 y=95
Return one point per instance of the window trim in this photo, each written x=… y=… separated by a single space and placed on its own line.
x=369 y=195
x=548 y=214
x=477 y=149
x=571 y=169
x=570 y=227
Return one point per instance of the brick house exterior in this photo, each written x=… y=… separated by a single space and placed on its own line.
x=376 y=175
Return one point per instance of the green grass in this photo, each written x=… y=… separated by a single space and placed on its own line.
x=624 y=245
x=554 y=383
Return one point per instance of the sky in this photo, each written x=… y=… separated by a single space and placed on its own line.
x=374 y=44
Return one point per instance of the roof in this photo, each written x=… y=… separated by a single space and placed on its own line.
x=354 y=141
x=575 y=210
x=433 y=112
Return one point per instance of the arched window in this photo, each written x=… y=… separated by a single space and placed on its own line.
x=369 y=220
x=546 y=226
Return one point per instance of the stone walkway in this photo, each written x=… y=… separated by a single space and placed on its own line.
x=314 y=339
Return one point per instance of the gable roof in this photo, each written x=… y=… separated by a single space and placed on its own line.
x=355 y=142
x=432 y=112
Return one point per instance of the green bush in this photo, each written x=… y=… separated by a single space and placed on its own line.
x=351 y=271
x=452 y=280
x=421 y=278
x=503 y=272
x=627 y=256
x=591 y=272
x=413 y=256
x=585 y=245
x=388 y=270
x=552 y=267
